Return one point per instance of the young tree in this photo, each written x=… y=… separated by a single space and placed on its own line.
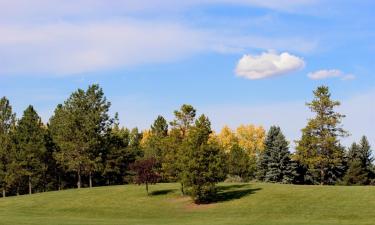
x=79 y=128
x=7 y=125
x=319 y=148
x=145 y=172
x=30 y=146
x=279 y=166
x=202 y=162
x=181 y=125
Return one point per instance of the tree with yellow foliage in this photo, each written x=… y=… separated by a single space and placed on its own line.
x=251 y=138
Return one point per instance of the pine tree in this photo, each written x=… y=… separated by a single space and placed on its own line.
x=7 y=125
x=79 y=127
x=184 y=119
x=30 y=147
x=203 y=163
x=319 y=148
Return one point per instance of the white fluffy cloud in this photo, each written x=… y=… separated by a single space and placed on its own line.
x=268 y=64
x=324 y=74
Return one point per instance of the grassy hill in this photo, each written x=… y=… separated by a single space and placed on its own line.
x=237 y=204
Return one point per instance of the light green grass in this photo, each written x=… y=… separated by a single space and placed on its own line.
x=265 y=204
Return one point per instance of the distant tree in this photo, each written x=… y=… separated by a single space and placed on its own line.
x=79 y=127
x=240 y=163
x=202 y=162
x=119 y=154
x=7 y=125
x=160 y=127
x=184 y=119
x=279 y=166
x=154 y=143
x=227 y=139
x=319 y=148
x=251 y=139
x=145 y=172
x=31 y=147
x=360 y=164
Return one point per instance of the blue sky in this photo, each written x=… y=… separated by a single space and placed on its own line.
x=239 y=61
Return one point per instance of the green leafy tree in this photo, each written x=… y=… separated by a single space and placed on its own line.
x=202 y=162
x=30 y=147
x=319 y=148
x=7 y=125
x=79 y=128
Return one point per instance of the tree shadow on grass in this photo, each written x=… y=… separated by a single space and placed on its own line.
x=162 y=192
x=233 y=192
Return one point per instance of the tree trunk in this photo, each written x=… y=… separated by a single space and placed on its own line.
x=4 y=193
x=182 y=189
x=79 y=179
x=30 y=191
x=18 y=189
x=147 y=187
x=59 y=182
x=90 y=180
x=321 y=176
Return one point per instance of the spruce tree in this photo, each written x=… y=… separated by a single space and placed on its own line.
x=280 y=167
x=7 y=125
x=360 y=164
x=264 y=157
x=319 y=149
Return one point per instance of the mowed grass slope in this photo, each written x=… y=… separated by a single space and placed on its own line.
x=265 y=204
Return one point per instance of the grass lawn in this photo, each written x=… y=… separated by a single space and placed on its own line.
x=252 y=203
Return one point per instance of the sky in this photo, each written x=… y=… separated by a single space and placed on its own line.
x=237 y=61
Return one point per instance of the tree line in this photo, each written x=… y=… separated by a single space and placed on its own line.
x=82 y=146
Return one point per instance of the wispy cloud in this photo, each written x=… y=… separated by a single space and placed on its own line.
x=51 y=37
x=332 y=73
x=268 y=64
x=71 y=48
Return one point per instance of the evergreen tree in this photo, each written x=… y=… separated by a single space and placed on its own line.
x=319 y=148
x=264 y=157
x=184 y=119
x=30 y=148
x=239 y=163
x=202 y=162
x=160 y=127
x=79 y=128
x=7 y=125
x=280 y=167
x=360 y=164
